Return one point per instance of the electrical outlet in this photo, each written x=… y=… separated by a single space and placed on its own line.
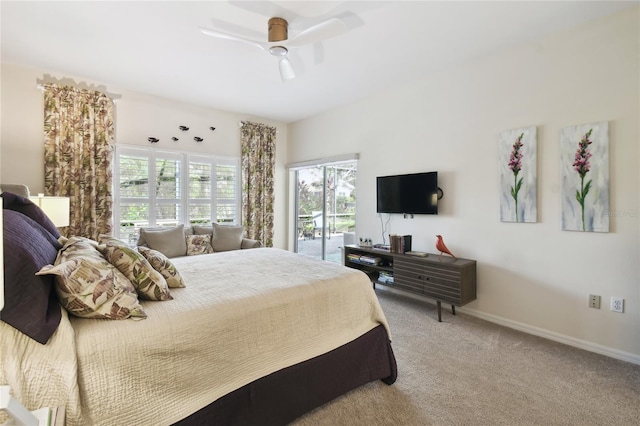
x=617 y=304
x=594 y=301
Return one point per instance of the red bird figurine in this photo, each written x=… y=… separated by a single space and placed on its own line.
x=442 y=248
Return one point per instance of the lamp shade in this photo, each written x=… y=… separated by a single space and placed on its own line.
x=1 y=259
x=56 y=208
x=286 y=69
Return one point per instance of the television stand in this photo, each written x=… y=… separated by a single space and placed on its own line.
x=442 y=278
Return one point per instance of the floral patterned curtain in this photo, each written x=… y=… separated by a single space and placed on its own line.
x=78 y=141
x=258 y=144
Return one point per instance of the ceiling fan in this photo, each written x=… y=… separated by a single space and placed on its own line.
x=278 y=43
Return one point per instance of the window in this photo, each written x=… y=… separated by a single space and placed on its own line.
x=326 y=206
x=164 y=188
x=213 y=187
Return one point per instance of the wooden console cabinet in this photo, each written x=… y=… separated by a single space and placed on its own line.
x=442 y=278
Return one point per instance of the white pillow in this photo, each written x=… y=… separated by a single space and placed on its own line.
x=226 y=237
x=170 y=242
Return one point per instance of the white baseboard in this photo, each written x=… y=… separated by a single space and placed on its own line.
x=557 y=337
x=536 y=331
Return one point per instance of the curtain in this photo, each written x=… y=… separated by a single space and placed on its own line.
x=258 y=165
x=78 y=151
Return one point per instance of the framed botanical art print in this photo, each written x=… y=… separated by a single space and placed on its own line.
x=518 y=175
x=584 y=151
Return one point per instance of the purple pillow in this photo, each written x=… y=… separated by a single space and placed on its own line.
x=30 y=302
x=28 y=208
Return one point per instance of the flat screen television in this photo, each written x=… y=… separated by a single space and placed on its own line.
x=415 y=193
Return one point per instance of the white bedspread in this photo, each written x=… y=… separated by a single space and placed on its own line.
x=243 y=315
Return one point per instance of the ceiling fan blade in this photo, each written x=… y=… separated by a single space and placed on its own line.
x=286 y=69
x=231 y=37
x=322 y=31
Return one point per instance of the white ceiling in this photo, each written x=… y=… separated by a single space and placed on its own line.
x=156 y=47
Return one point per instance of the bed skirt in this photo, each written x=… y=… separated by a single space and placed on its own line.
x=281 y=397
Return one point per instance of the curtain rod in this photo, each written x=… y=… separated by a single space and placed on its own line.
x=241 y=122
x=114 y=97
x=326 y=161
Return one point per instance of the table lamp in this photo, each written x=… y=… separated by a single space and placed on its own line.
x=1 y=259
x=56 y=208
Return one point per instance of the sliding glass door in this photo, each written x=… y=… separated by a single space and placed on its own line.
x=326 y=207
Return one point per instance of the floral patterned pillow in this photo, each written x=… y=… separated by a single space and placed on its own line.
x=78 y=246
x=108 y=239
x=199 y=244
x=148 y=282
x=162 y=264
x=92 y=288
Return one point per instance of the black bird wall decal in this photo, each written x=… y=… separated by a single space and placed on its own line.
x=153 y=140
x=183 y=128
x=212 y=128
x=197 y=139
x=175 y=139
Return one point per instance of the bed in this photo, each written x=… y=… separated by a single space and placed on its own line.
x=256 y=336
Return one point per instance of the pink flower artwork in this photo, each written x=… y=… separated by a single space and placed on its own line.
x=584 y=157
x=515 y=164
x=581 y=165
x=518 y=178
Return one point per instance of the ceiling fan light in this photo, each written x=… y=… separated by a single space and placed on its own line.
x=286 y=70
x=278 y=50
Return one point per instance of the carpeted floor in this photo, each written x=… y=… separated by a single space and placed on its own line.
x=467 y=371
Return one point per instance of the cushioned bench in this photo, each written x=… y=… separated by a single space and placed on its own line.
x=186 y=241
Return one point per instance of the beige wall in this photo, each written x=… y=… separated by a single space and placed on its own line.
x=138 y=117
x=530 y=276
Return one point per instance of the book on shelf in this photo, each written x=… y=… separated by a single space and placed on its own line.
x=399 y=243
x=370 y=260
x=362 y=258
x=385 y=277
